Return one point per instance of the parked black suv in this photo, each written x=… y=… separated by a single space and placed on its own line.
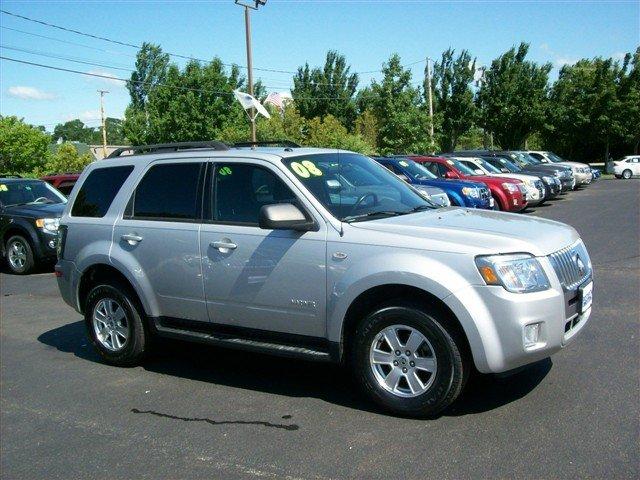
x=30 y=211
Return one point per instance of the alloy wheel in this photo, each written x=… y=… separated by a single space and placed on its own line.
x=403 y=361
x=17 y=255
x=110 y=324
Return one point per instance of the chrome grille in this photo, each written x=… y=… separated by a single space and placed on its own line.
x=540 y=187
x=572 y=265
x=485 y=194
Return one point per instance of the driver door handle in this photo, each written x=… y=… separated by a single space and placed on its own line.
x=131 y=239
x=221 y=245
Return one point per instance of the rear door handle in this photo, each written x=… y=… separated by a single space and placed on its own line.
x=131 y=239
x=222 y=245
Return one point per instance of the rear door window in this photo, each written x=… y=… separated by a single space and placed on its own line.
x=168 y=191
x=99 y=190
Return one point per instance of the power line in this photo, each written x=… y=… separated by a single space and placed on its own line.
x=176 y=55
x=63 y=57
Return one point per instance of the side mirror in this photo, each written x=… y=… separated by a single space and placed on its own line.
x=450 y=175
x=479 y=171
x=284 y=216
x=504 y=170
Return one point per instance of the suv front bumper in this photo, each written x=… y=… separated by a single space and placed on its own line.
x=495 y=319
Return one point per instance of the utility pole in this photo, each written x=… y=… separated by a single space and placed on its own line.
x=104 y=125
x=253 y=5
x=430 y=99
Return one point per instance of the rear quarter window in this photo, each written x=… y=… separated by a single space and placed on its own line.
x=99 y=190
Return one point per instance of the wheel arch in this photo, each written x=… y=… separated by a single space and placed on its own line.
x=104 y=273
x=16 y=228
x=374 y=297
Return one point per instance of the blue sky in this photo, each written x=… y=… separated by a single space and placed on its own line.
x=286 y=34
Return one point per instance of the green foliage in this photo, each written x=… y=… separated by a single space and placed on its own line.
x=175 y=105
x=513 y=97
x=66 y=159
x=396 y=103
x=326 y=91
x=367 y=127
x=453 y=97
x=23 y=147
x=77 y=131
x=595 y=110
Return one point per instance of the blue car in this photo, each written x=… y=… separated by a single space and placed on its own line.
x=463 y=193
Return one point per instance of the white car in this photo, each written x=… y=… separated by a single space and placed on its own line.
x=581 y=171
x=535 y=187
x=628 y=167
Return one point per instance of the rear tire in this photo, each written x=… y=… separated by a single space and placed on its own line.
x=20 y=258
x=627 y=174
x=115 y=326
x=376 y=363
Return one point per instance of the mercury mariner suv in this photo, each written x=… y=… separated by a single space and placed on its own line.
x=315 y=254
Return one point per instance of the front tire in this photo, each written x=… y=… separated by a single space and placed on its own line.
x=627 y=174
x=407 y=362
x=115 y=325
x=20 y=257
x=496 y=204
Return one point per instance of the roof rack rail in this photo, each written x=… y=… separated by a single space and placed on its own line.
x=268 y=143
x=168 y=147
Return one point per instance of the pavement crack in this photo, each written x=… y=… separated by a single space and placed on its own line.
x=281 y=426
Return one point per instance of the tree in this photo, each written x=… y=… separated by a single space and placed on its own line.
x=23 y=147
x=587 y=116
x=513 y=97
x=629 y=96
x=194 y=103
x=367 y=127
x=453 y=99
x=395 y=102
x=67 y=159
x=73 y=131
x=327 y=91
x=151 y=69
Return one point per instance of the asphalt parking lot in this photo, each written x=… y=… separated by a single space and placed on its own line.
x=199 y=412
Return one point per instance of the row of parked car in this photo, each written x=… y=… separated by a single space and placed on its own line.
x=486 y=179
x=501 y=180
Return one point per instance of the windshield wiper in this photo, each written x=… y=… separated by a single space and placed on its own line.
x=421 y=208
x=388 y=213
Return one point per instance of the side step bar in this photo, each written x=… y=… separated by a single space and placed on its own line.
x=240 y=343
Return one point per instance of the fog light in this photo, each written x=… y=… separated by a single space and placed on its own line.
x=531 y=335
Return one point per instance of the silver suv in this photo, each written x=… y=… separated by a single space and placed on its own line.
x=316 y=254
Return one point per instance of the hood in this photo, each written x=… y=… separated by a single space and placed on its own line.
x=518 y=176
x=573 y=164
x=446 y=183
x=431 y=190
x=489 y=179
x=470 y=231
x=44 y=210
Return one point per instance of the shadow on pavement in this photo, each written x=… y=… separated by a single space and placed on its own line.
x=296 y=378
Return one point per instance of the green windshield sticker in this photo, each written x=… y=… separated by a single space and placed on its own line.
x=305 y=169
x=225 y=171
x=403 y=163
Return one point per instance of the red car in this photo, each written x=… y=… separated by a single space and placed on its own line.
x=509 y=194
x=62 y=181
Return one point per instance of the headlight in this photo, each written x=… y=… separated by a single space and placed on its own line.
x=471 y=192
x=518 y=273
x=48 y=224
x=548 y=180
x=510 y=187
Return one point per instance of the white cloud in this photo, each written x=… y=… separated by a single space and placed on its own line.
x=30 y=93
x=618 y=56
x=86 y=116
x=562 y=61
x=111 y=80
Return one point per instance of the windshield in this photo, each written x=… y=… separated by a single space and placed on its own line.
x=415 y=170
x=488 y=166
x=527 y=159
x=354 y=187
x=503 y=164
x=554 y=158
x=29 y=193
x=462 y=168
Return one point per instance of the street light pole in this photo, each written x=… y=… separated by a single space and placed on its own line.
x=247 y=24
x=430 y=99
x=104 y=125
x=253 y=5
